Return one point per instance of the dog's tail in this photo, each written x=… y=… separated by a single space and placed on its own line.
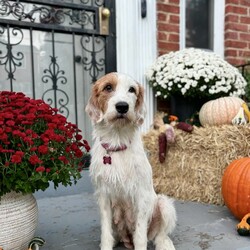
x=168 y=213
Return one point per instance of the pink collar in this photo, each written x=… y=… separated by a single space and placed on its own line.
x=109 y=149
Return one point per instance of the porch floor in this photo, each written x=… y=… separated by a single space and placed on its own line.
x=69 y=219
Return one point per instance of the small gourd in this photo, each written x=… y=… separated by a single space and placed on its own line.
x=243 y=228
x=220 y=111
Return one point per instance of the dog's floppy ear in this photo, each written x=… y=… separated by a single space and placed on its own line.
x=92 y=109
x=140 y=106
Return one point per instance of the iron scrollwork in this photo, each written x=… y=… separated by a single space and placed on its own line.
x=15 y=9
x=9 y=60
x=93 y=62
x=47 y=15
x=98 y=3
x=54 y=74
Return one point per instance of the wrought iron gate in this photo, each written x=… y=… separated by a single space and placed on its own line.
x=54 y=49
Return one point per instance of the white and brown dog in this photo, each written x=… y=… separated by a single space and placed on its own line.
x=130 y=209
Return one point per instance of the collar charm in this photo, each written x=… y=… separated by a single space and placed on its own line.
x=109 y=149
x=107 y=159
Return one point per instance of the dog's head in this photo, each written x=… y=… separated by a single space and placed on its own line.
x=116 y=99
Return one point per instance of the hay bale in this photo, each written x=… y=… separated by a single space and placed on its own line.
x=196 y=162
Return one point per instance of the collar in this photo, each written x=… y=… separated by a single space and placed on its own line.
x=110 y=148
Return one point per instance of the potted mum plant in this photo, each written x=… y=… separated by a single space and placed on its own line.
x=37 y=146
x=193 y=76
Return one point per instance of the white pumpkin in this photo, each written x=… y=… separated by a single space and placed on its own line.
x=220 y=111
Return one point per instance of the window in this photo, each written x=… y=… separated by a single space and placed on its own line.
x=199 y=24
x=202 y=24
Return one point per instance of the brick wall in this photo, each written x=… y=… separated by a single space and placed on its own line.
x=237 y=31
x=168 y=25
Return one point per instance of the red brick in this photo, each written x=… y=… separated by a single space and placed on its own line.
x=168 y=46
x=174 y=38
x=231 y=52
x=162 y=36
x=232 y=2
x=245 y=20
x=245 y=3
x=173 y=2
x=161 y=16
x=168 y=27
x=232 y=18
x=231 y=35
x=236 y=27
x=174 y=19
x=236 y=61
x=177 y=2
x=245 y=37
x=236 y=10
x=236 y=44
x=168 y=8
x=244 y=53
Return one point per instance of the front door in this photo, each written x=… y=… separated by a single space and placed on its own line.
x=55 y=50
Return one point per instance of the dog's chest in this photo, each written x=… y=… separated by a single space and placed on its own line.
x=127 y=173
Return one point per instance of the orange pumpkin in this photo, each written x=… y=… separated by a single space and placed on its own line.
x=220 y=111
x=236 y=187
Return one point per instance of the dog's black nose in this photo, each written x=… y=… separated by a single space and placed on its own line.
x=122 y=107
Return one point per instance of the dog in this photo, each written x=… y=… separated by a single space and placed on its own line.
x=130 y=210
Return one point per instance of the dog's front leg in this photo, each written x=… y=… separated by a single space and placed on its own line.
x=140 y=234
x=107 y=239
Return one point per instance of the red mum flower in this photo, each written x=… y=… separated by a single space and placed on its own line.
x=16 y=158
x=43 y=149
x=63 y=159
x=10 y=123
x=20 y=153
x=33 y=149
x=8 y=115
x=34 y=160
x=28 y=140
x=8 y=129
x=40 y=169
x=51 y=125
x=78 y=153
x=78 y=137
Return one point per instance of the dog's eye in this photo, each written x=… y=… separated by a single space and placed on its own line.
x=131 y=90
x=108 y=88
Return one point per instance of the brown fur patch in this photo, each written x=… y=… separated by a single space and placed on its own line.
x=100 y=96
x=140 y=98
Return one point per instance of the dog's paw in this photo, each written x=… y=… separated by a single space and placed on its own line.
x=166 y=244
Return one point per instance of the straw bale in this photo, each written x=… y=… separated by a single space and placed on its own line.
x=195 y=163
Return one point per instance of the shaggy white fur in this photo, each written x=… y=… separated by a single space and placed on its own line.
x=130 y=209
